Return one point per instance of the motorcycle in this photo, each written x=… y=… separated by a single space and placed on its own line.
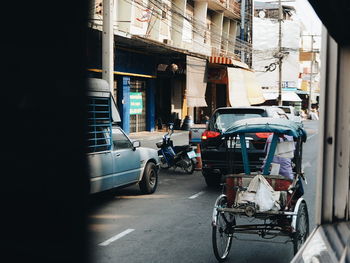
x=176 y=156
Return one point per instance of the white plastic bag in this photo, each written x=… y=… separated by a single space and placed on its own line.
x=264 y=197
x=244 y=197
x=261 y=193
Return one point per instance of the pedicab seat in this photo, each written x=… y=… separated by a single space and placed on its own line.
x=235 y=181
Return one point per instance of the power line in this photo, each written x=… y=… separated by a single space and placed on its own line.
x=215 y=38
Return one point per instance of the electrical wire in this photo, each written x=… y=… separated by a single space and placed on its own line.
x=194 y=27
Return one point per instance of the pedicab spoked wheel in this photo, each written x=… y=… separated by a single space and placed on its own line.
x=222 y=231
x=302 y=227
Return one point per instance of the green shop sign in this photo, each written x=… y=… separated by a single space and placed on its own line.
x=135 y=103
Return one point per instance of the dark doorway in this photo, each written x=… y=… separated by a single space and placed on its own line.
x=221 y=95
x=163 y=100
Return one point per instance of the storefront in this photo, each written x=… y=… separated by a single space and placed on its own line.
x=216 y=94
x=231 y=83
x=134 y=88
x=170 y=92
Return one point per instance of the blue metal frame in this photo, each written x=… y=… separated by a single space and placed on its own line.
x=123 y=89
x=151 y=104
x=244 y=153
x=270 y=154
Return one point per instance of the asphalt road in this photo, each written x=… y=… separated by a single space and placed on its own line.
x=174 y=224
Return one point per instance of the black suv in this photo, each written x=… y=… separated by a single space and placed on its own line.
x=213 y=148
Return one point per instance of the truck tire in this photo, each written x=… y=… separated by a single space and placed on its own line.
x=212 y=180
x=149 y=182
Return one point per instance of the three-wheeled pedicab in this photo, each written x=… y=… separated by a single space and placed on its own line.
x=266 y=197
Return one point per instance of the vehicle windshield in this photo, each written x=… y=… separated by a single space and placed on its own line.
x=224 y=120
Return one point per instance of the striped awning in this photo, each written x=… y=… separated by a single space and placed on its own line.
x=227 y=61
x=221 y=60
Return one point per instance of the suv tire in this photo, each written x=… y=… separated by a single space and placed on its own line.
x=212 y=180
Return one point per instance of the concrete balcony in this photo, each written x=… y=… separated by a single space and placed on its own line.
x=230 y=8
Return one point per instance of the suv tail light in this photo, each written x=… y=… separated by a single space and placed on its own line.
x=210 y=134
x=263 y=135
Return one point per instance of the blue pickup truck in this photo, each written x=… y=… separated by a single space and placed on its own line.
x=115 y=160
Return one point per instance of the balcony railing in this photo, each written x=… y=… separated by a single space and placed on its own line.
x=234 y=7
x=231 y=8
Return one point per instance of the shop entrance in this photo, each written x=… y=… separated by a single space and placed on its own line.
x=137 y=105
x=221 y=98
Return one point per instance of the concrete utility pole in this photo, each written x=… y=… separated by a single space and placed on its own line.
x=243 y=7
x=280 y=57
x=311 y=72
x=108 y=44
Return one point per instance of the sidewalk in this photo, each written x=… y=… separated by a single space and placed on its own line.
x=150 y=136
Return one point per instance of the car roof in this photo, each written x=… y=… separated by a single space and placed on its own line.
x=242 y=108
x=275 y=125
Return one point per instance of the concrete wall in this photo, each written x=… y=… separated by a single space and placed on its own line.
x=200 y=26
x=216 y=30
x=202 y=31
x=177 y=22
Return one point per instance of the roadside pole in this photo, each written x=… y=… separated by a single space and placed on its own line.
x=108 y=45
x=311 y=73
x=280 y=57
x=243 y=7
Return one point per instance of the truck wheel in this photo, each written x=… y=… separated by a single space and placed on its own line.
x=149 y=182
x=212 y=180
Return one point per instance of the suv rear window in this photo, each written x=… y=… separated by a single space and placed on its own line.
x=222 y=120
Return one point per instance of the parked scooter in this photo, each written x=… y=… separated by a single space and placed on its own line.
x=176 y=156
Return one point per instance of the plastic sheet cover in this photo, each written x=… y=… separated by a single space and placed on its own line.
x=265 y=47
x=196 y=82
x=243 y=90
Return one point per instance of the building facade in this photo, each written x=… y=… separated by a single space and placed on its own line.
x=309 y=76
x=267 y=50
x=171 y=57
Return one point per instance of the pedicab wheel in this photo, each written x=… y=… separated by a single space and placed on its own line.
x=221 y=231
x=302 y=227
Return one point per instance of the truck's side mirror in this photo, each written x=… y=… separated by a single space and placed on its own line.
x=136 y=144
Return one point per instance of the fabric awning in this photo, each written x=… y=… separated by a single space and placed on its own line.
x=196 y=81
x=227 y=61
x=286 y=96
x=243 y=89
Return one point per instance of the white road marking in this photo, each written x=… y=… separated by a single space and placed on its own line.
x=196 y=195
x=116 y=237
